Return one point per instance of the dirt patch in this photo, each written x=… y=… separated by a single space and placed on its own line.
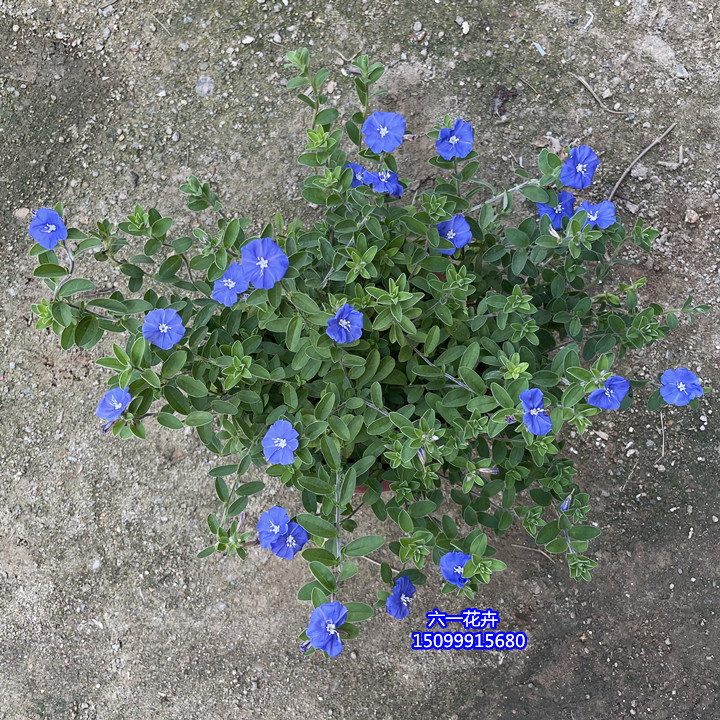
x=107 y=612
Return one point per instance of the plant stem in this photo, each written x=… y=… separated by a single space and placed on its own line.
x=432 y=364
x=501 y=195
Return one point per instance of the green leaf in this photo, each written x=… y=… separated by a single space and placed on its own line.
x=323 y=575
x=87 y=332
x=330 y=449
x=293 y=334
x=50 y=270
x=207 y=551
x=316 y=485
x=349 y=569
x=223 y=470
x=339 y=428
x=421 y=508
x=547 y=533
x=174 y=364
x=74 y=286
x=222 y=490
x=237 y=507
x=197 y=418
x=364 y=545
x=535 y=194
x=194 y=388
x=314 y=195
x=320 y=555
x=327 y=116
x=559 y=545
x=501 y=395
x=325 y=406
x=62 y=314
x=213 y=523
x=169 y=421
x=161 y=226
x=357 y=612
x=405 y=522
x=317 y=526
x=138 y=351
x=151 y=378
x=583 y=532
x=250 y=488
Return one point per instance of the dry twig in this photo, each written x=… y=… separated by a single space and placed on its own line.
x=538 y=550
x=161 y=25
x=641 y=155
x=594 y=94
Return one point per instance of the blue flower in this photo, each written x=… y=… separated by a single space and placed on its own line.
x=456 y=141
x=679 y=387
x=264 y=263
x=227 y=288
x=163 y=328
x=272 y=524
x=383 y=131
x=452 y=565
x=290 y=544
x=322 y=630
x=564 y=208
x=280 y=443
x=535 y=419
x=384 y=181
x=346 y=326
x=578 y=170
x=602 y=214
x=360 y=174
x=610 y=397
x=113 y=404
x=457 y=231
x=398 y=603
x=47 y=228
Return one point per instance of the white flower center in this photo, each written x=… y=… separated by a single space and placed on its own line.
x=593 y=217
x=453 y=139
x=383 y=131
x=384 y=175
x=459 y=569
x=534 y=411
x=330 y=627
x=451 y=235
x=262 y=263
x=344 y=324
x=291 y=542
x=163 y=328
x=359 y=175
x=115 y=403
x=609 y=392
x=50 y=228
x=404 y=599
x=581 y=168
x=275 y=528
x=681 y=387
x=280 y=442
x=229 y=284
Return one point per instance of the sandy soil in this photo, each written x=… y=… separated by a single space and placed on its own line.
x=107 y=614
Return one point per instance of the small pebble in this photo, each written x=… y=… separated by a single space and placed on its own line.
x=417 y=27
x=204 y=86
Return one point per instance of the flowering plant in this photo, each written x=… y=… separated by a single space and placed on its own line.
x=421 y=357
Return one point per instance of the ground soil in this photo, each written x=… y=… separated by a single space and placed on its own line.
x=107 y=614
